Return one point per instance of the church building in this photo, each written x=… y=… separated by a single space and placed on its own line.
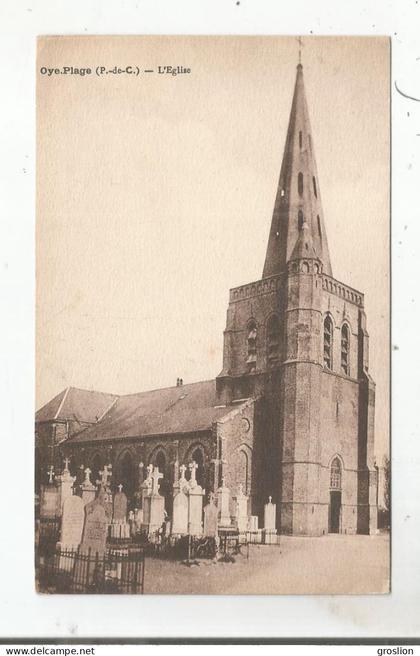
x=291 y=414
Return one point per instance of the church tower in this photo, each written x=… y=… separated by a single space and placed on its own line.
x=296 y=342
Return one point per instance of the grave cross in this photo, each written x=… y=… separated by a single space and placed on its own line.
x=193 y=469
x=105 y=474
x=156 y=476
x=269 y=499
x=87 y=476
x=51 y=474
x=66 y=464
x=120 y=487
x=182 y=471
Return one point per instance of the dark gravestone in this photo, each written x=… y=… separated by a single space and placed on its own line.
x=210 y=520
x=105 y=499
x=120 y=508
x=89 y=567
x=95 y=529
x=49 y=502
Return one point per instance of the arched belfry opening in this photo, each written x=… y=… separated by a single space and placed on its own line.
x=335 y=496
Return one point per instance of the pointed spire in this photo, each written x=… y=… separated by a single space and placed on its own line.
x=298 y=198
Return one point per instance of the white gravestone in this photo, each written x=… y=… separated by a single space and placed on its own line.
x=154 y=505
x=88 y=488
x=180 y=514
x=65 y=483
x=270 y=533
x=72 y=523
x=241 y=510
x=270 y=516
x=210 y=518
x=195 y=503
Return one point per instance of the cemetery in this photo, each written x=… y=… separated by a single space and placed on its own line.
x=92 y=538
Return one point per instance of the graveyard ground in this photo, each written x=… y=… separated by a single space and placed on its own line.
x=334 y=564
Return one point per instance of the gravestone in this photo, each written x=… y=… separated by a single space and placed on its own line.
x=105 y=494
x=195 y=503
x=223 y=499
x=154 y=503
x=210 y=518
x=88 y=488
x=120 y=507
x=180 y=514
x=270 y=516
x=95 y=528
x=241 y=510
x=65 y=483
x=71 y=530
x=253 y=523
x=270 y=533
x=49 y=502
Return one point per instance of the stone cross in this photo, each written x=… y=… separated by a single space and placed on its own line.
x=193 y=469
x=156 y=476
x=105 y=474
x=120 y=487
x=87 y=476
x=182 y=471
x=269 y=499
x=66 y=464
x=51 y=474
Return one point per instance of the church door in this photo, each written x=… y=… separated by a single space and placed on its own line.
x=335 y=511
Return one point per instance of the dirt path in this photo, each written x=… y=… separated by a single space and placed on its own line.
x=336 y=564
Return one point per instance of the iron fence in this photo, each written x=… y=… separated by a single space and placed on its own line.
x=78 y=571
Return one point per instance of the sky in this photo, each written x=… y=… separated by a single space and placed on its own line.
x=155 y=194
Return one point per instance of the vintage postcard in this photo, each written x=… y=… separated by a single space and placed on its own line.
x=212 y=339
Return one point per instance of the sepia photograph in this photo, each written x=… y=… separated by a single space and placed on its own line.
x=212 y=315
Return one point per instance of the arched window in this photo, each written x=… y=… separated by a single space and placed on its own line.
x=127 y=474
x=315 y=189
x=251 y=359
x=273 y=339
x=328 y=342
x=335 y=475
x=300 y=184
x=198 y=457
x=345 y=344
x=300 y=219
x=319 y=225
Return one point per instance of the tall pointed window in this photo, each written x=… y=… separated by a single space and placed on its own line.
x=335 y=475
x=328 y=342
x=315 y=189
x=300 y=139
x=273 y=339
x=251 y=359
x=345 y=344
x=319 y=225
x=300 y=184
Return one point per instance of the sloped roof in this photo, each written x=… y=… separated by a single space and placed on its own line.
x=182 y=409
x=76 y=404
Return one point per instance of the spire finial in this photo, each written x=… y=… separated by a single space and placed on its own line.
x=299 y=40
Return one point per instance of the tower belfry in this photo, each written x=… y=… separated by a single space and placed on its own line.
x=298 y=198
